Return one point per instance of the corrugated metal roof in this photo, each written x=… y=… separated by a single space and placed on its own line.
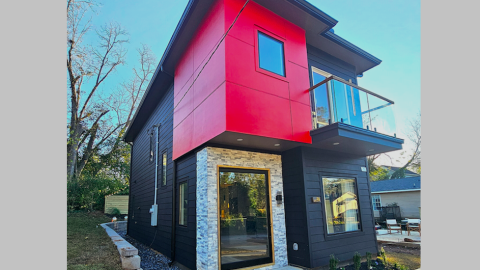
x=409 y=183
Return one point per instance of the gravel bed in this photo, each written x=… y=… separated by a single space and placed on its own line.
x=150 y=259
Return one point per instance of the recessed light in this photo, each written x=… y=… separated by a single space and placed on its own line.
x=277 y=144
x=336 y=143
x=239 y=140
x=371 y=150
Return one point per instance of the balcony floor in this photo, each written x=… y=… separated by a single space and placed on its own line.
x=353 y=140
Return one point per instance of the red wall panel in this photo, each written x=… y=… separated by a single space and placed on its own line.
x=267 y=110
x=232 y=93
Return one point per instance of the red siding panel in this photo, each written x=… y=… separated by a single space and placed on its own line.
x=257 y=113
x=232 y=93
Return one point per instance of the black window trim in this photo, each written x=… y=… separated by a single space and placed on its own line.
x=341 y=235
x=164 y=177
x=183 y=181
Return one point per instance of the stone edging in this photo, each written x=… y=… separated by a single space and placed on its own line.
x=128 y=253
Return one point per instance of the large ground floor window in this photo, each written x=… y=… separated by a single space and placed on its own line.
x=244 y=210
x=341 y=204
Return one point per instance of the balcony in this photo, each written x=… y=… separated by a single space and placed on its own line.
x=352 y=119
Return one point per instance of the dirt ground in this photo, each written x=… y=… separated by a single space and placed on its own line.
x=406 y=255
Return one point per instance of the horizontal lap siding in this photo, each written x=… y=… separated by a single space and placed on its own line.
x=186 y=238
x=142 y=183
x=330 y=64
x=295 y=214
x=318 y=162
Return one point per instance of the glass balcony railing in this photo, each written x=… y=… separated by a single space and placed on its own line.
x=337 y=100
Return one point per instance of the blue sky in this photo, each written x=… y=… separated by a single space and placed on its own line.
x=389 y=30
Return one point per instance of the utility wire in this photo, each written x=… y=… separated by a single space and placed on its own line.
x=211 y=55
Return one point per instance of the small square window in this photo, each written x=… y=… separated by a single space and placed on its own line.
x=271 y=54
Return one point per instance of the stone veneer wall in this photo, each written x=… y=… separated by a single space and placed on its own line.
x=207 y=178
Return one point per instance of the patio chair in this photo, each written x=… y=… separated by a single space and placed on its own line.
x=392 y=225
x=414 y=225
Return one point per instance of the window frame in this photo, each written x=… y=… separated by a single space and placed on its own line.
x=180 y=206
x=151 y=134
x=163 y=179
x=379 y=201
x=340 y=235
x=257 y=31
x=250 y=264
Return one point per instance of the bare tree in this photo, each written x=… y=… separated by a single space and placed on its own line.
x=88 y=63
x=415 y=136
x=121 y=105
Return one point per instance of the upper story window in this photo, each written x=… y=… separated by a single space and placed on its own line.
x=271 y=55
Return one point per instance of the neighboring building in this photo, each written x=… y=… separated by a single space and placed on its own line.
x=405 y=192
x=392 y=169
x=229 y=168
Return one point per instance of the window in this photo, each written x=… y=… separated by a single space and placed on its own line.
x=271 y=54
x=183 y=199
x=376 y=202
x=152 y=146
x=341 y=204
x=244 y=210
x=164 y=168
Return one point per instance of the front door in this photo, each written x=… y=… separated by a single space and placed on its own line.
x=244 y=211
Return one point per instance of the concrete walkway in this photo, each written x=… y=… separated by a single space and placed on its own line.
x=395 y=236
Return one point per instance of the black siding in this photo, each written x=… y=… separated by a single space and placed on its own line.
x=303 y=168
x=142 y=187
x=186 y=238
x=142 y=184
x=318 y=163
x=295 y=207
x=330 y=64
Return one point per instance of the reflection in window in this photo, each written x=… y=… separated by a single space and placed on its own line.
x=164 y=168
x=341 y=205
x=183 y=204
x=244 y=218
x=270 y=54
x=376 y=202
x=320 y=95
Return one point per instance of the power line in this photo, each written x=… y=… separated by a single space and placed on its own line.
x=210 y=57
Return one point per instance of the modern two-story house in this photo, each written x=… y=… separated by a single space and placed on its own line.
x=249 y=146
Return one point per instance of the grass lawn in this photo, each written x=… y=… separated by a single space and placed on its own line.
x=89 y=247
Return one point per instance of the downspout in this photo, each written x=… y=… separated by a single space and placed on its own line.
x=174 y=192
x=154 y=209
x=130 y=187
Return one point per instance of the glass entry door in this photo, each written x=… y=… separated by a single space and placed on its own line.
x=244 y=210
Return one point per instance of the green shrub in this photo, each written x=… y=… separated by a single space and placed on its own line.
x=332 y=265
x=88 y=192
x=368 y=255
x=357 y=260
x=115 y=211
